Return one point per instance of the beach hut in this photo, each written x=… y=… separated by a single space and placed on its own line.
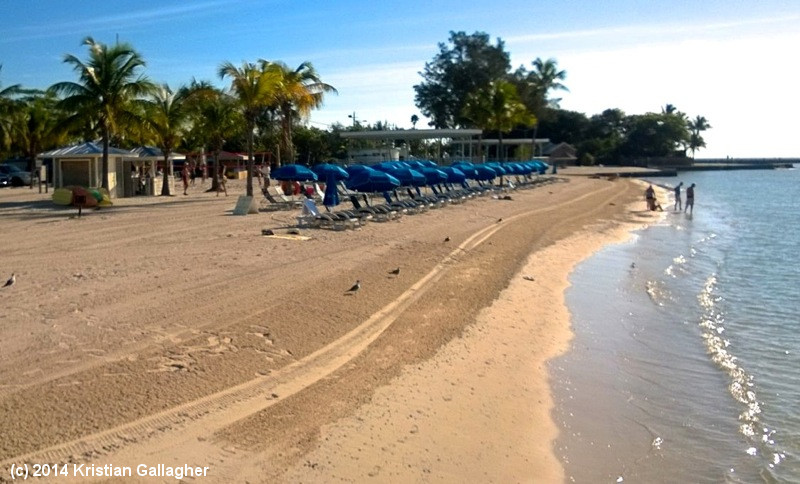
x=150 y=162
x=82 y=165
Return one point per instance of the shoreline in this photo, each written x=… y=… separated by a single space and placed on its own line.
x=507 y=439
x=172 y=337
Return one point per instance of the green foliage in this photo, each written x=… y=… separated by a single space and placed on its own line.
x=468 y=63
x=108 y=90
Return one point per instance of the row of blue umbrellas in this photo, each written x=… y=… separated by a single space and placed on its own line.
x=388 y=175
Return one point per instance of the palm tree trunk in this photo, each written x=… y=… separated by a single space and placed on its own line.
x=251 y=127
x=106 y=141
x=165 y=181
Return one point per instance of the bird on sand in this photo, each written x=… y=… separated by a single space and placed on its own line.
x=11 y=280
x=355 y=288
x=447 y=239
x=395 y=272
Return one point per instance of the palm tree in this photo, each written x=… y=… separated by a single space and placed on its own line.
x=256 y=89
x=300 y=90
x=37 y=126
x=108 y=88
x=215 y=118
x=166 y=122
x=696 y=125
x=414 y=121
x=7 y=108
x=498 y=107
x=535 y=88
x=546 y=77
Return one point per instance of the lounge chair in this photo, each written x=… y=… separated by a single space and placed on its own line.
x=312 y=217
x=275 y=200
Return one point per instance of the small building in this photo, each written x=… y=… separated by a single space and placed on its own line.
x=82 y=165
x=561 y=154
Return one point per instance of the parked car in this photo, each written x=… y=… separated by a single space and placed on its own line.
x=18 y=177
x=5 y=181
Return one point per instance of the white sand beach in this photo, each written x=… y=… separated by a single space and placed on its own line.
x=168 y=331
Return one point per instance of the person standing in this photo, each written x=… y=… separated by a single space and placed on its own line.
x=678 y=205
x=185 y=177
x=689 y=199
x=222 y=179
x=650 y=198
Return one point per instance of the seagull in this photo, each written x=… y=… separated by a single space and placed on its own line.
x=395 y=272
x=11 y=280
x=447 y=239
x=355 y=288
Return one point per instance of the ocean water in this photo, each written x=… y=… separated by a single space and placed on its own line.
x=685 y=366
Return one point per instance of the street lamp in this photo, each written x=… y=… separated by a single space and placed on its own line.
x=356 y=121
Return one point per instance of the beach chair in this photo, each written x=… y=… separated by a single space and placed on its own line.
x=312 y=217
x=276 y=200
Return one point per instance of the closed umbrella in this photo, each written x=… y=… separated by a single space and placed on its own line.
x=331 y=198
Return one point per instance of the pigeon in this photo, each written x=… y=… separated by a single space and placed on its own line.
x=355 y=288
x=447 y=239
x=395 y=272
x=11 y=280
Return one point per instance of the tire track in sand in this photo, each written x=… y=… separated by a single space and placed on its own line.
x=207 y=414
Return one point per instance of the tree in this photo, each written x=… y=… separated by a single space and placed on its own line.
x=166 y=121
x=37 y=126
x=7 y=109
x=498 y=107
x=215 y=117
x=256 y=89
x=696 y=126
x=467 y=64
x=298 y=91
x=414 y=121
x=654 y=134
x=108 y=88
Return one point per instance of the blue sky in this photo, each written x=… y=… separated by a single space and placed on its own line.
x=734 y=62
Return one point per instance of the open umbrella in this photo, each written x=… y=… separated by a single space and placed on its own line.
x=294 y=173
x=433 y=175
x=372 y=181
x=454 y=175
x=323 y=170
x=482 y=173
x=407 y=176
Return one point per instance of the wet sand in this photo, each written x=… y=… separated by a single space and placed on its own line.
x=173 y=332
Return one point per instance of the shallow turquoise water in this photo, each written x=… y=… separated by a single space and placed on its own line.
x=684 y=367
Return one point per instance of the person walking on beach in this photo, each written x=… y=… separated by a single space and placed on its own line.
x=185 y=177
x=222 y=180
x=650 y=197
x=678 y=197
x=689 y=199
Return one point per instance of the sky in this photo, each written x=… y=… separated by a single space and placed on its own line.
x=734 y=62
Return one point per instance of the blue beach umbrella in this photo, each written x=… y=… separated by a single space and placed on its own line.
x=331 y=198
x=372 y=181
x=407 y=176
x=454 y=175
x=324 y=170
x=293 y=173
x=354 y=170
x=482 y=173
x=432 y=175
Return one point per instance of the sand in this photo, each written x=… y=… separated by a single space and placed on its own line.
x=168 y=331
